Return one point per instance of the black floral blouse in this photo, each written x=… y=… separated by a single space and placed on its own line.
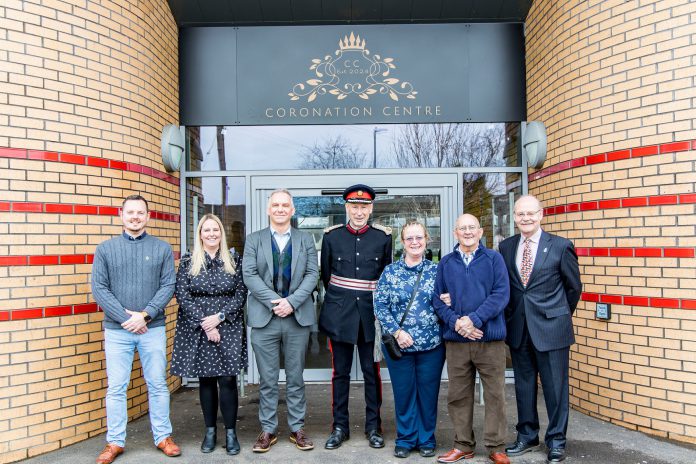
x=212 y=291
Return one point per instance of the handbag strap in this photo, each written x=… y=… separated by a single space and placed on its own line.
x=413 y=297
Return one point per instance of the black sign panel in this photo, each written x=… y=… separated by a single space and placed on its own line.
x=353 y=74
x=208 y=76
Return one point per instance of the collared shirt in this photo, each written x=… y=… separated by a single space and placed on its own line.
x=533 y=243
x=281 y=239
x=466 y=257
x=128 y=236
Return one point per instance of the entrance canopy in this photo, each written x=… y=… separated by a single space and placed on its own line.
x=305 y=12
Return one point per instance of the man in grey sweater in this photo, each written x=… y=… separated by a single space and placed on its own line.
x=133 y=281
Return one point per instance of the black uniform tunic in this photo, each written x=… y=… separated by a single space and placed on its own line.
x=356 y=255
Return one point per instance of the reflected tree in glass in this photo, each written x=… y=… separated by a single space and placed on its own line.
x=458 y=146
x=449 y=145
x=318 y=206
x=332 y=153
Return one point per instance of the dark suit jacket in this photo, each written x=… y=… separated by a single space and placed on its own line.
x=551 y=295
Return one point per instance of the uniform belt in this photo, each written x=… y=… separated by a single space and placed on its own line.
x=353 y=284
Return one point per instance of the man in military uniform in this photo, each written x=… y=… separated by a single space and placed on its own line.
x=352 y=259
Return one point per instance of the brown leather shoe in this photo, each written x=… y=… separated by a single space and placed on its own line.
x=301 y=440
x=455 y=455
x=109 y=453
x=264 y=442
x=168 y=447
x=499 y=458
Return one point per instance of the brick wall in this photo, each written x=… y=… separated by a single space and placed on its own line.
x=85 y=88
x=615 y=83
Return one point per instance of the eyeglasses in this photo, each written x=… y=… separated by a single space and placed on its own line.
x=469 y=228
x=526 y=214
x=417 y=238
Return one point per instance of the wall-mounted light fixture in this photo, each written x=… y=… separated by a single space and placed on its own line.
x=172 y=147
x=534 y=143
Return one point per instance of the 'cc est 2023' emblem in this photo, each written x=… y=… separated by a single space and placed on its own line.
x=352 y=70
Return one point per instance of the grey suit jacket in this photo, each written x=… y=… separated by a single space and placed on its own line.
x=546 y=305
x=257 y=268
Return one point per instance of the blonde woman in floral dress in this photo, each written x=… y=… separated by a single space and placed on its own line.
x=210 y=335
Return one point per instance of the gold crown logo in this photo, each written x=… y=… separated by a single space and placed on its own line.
x=351 y=43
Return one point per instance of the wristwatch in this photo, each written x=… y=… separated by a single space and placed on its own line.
x=146 y=316
x=221 y=316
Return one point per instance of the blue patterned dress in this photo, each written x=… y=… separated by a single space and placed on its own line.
x=391 y=298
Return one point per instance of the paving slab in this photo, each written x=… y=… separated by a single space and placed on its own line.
x=590 y=440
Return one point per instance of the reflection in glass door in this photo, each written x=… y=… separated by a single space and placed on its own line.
x=315 y=211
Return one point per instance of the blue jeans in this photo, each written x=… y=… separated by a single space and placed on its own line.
x=415 y=380
x=120 y=346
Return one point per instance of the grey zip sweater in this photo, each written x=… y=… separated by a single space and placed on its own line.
x=137 y=275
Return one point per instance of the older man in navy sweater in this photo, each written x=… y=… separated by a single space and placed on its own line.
x=474 y=331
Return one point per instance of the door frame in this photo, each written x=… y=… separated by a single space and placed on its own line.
x=403 y=182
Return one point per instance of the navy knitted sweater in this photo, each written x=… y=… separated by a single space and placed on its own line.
x=480 y=290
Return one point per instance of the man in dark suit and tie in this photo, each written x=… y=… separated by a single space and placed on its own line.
x=545 y=288
x=281 y=271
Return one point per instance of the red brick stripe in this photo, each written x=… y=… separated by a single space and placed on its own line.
x=66 y=208
x=653 y=302
x=636 y=152
x=13 y=260
x=49 y=311
x=52 y=260
x=638 y=252
x=52 y=311
x=69 y=158
x=656 y=200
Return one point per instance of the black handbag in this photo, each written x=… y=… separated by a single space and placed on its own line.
x=390 y=343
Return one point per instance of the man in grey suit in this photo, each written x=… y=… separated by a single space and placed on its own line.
x=280 y=270
x=545 y=288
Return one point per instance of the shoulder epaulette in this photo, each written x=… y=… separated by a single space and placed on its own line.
x=385 y=229
x=330 y=228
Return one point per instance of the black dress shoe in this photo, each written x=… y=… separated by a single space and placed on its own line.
x=231 y=443
x=336 y=439
x=401 y=452
x=375 y=439
x=521 y=447
x=556 y=455
x=427 y=452
x=209 y=440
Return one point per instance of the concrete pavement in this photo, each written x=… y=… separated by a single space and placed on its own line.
x=590 y=440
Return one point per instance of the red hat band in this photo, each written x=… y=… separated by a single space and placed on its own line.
x=359 y=196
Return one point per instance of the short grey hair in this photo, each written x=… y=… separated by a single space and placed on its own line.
x=524 y=197
x=281 y=190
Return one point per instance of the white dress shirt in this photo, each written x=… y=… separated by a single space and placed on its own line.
x=281 y=239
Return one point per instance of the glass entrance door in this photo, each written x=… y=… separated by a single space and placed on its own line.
x=318 y=204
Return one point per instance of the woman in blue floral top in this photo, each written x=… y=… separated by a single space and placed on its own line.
x=415 y=378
